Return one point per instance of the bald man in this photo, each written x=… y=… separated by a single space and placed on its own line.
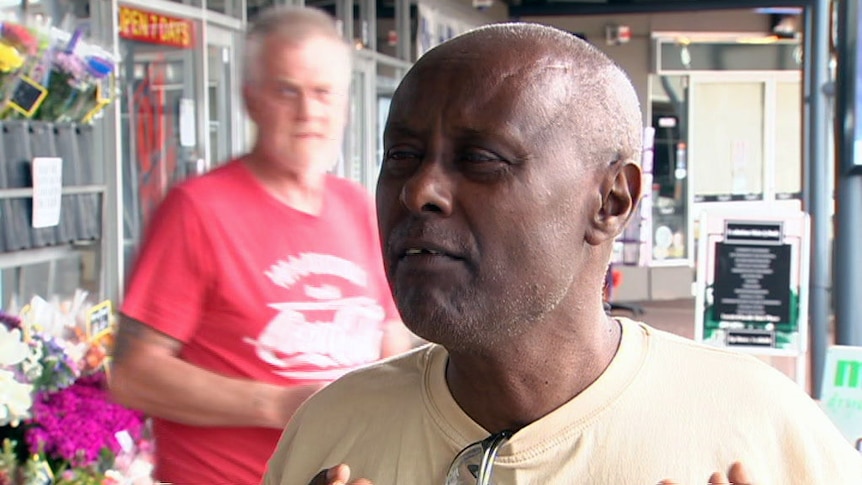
x=510 y=166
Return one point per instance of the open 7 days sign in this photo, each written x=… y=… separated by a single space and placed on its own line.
x=842 y=391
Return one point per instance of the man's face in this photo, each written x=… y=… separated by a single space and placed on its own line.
x=298 y=100
x=482 y=200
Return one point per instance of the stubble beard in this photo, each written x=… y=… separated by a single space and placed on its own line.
x=463 y=319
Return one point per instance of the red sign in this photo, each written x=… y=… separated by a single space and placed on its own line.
x=155 y=28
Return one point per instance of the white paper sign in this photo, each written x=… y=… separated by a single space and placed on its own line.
x=842 y=390
x=47 y=191
x=188 y=135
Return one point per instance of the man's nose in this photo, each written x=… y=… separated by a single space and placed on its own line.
x=429 y=189
x=307 y=106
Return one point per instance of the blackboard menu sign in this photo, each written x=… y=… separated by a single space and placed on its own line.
x=752 y=277
x=752 y=283
x=27 y=96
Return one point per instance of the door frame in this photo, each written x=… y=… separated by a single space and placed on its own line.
x=224 y=38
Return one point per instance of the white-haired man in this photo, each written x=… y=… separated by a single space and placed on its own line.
x=260 y=281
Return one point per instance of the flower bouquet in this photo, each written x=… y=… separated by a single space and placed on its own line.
x=50 y=74
x=58 y=424
x=74 y=76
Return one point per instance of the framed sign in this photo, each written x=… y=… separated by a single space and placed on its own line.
x=103 y=95
x=27 y=96
x=752 y=280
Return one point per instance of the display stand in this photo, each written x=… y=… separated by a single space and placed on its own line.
x=80 y=222
x=752 y=282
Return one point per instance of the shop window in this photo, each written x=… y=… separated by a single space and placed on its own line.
x=670 y=174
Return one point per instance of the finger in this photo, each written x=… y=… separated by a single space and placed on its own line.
x=718 y=478
x=337 y=475
x=738 y=475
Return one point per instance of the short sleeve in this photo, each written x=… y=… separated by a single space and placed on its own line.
x=169 y=280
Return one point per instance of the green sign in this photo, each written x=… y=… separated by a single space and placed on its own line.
x=842 y=390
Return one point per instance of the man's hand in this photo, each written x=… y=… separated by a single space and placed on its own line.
x=337 y=475
x=737 y=476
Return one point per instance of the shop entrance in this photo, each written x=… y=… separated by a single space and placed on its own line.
x=159 y=115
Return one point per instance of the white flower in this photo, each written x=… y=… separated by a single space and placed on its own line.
x=12 y=349
x=15 y=399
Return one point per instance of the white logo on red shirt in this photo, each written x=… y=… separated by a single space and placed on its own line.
x=326 y=335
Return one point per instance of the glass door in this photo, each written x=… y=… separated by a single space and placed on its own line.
x=159 y=128
x=360 y=148
x=223 y=98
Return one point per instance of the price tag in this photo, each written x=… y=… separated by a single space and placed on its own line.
x=99 y=321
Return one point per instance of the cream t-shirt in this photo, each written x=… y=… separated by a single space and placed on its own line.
x=666 y=407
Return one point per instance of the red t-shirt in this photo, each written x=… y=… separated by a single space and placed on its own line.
x=257 y=290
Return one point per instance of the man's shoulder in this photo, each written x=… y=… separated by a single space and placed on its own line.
x=225 y=175
x=375 y=388
x=348 y=189
x=213 y=191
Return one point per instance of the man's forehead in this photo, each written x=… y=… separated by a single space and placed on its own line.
x=482 y=78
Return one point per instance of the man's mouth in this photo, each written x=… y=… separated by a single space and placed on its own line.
x=418 y=251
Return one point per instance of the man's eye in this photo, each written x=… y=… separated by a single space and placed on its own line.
x=482 y=165
x=399 y=163
x=399 y=155
x=288 y=91
x=481 y=161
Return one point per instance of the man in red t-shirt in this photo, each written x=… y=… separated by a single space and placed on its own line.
x=261 y=281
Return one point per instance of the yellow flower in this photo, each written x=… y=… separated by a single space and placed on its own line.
x=10 y=59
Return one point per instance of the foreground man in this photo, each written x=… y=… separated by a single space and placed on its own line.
x=509 y=169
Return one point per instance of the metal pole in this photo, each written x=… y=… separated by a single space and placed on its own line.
x=808 y=21
x=817 y=47
x=403 y=28
x=848 y=270
x=109 y=155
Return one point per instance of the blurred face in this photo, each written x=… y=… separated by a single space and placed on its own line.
x=298 y=100
x=482 y=200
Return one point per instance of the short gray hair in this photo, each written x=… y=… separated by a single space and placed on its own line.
x=291 y=24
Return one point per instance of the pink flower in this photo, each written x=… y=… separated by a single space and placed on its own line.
x=79 y=422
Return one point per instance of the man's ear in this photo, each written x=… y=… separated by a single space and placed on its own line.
x=620 y=192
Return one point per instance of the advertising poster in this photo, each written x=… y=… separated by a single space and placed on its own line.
x=752 y=281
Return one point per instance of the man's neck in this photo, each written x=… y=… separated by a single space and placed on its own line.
x=297 y=188
x=512 y=387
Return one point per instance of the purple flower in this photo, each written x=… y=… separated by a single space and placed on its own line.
x=71 y=66
x=79 y=422
x=11 y=321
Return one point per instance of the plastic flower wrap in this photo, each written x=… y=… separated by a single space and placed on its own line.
x=64 y=81
x=74 y=73
x=97 y=89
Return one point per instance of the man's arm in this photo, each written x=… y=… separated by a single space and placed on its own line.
x=147 y=374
